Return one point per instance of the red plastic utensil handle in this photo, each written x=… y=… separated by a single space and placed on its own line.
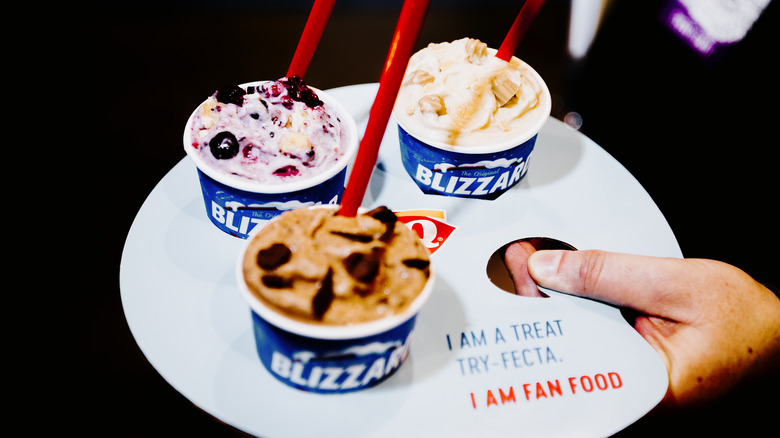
x=315 y=24
x=519 y=28
x=405 y=37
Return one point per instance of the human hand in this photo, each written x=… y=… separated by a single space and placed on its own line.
x=712 y=324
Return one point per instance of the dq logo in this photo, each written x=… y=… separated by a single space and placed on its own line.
x=429 y=225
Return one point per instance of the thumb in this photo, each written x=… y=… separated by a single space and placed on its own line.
x=633 y=281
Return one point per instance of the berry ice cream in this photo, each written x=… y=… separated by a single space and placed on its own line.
x=270 y=133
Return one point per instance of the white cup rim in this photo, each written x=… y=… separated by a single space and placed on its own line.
x=246 y=185
x=326 y=331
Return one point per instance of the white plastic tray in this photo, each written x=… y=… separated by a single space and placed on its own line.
x=483 y=362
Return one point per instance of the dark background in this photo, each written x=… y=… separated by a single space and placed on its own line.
x=697 y=134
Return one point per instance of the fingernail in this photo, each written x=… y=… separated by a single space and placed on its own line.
x=543 y=265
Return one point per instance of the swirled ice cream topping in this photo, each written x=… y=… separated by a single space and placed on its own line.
x=459 y=93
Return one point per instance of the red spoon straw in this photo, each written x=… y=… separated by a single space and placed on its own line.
x=312 y=32
x=405 y=37
x=523 y=21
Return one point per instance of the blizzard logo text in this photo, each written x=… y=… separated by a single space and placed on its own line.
x=335 y=378
x=227 y=218
x=461 y=185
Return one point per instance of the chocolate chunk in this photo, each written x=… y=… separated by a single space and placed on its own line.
x=387 y=235
x=274 y=256
x=364 y=267
x=417 y=263
x=383 y=214
x=387 y=217
x=362 y=291
x=362 y=238
x=324 y=296
x=276 y=282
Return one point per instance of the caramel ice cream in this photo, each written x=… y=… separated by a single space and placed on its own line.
x=314 y=265
x=459 y=93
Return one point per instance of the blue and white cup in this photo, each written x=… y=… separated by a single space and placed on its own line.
x=483 y=172
x=330 y=359
x=237 y=206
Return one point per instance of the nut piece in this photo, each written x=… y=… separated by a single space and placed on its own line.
x=504 y=89
x=476 y=50
x=419 y=77
x=295 y=143
x=432 y=103
x=207 y=113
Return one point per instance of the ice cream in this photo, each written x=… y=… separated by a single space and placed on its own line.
x=273 y=132
x=459 y=93
x=314 y=265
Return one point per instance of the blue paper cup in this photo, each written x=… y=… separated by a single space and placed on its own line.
x=482 y=172
x=462 y=172
x=237 y=206
x=330 y=359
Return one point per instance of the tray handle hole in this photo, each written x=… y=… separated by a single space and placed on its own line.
x=499 y=275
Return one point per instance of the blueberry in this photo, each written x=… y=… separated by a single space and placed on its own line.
x=286 y=171
x=297 y=90
x=233 y=94
x=287 y=102
x=271 y=90
x=250 y=153
x=224 y=145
